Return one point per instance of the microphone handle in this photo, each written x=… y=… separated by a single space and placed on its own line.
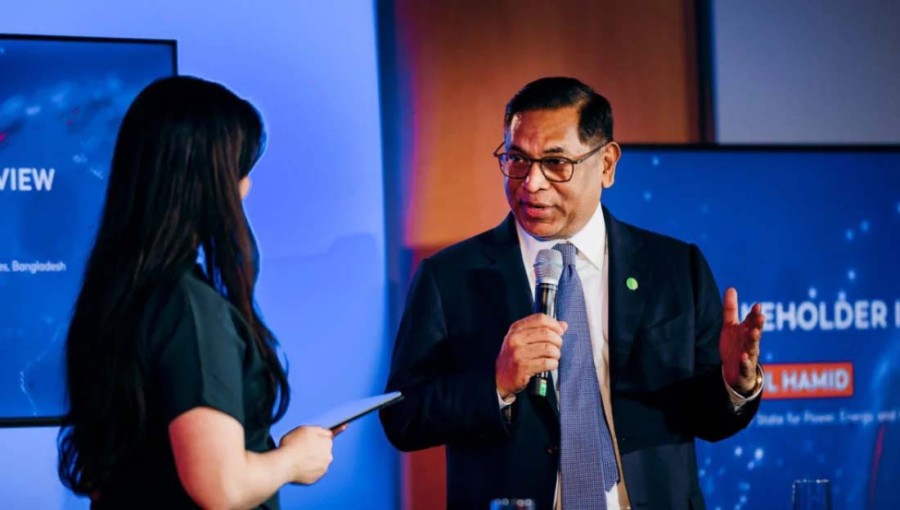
x=544 y=302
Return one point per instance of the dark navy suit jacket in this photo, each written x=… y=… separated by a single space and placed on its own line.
x=665 y=371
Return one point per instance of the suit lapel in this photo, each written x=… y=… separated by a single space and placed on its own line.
x=504 y=279
x=627 y=260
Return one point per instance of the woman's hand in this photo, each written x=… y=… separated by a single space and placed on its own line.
x=310 y=448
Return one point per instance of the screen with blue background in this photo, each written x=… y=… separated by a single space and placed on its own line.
x=61 y=103
x=814 y=236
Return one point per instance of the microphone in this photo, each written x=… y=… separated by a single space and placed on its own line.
x=548 y=268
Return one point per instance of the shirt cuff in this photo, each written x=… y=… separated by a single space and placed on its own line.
x=738 y=400
x=505 y=403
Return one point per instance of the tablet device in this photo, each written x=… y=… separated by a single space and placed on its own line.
x=349 y=411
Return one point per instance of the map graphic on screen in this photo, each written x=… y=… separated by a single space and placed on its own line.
x=61 y=103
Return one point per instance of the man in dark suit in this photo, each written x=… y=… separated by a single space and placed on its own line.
x=669 y=363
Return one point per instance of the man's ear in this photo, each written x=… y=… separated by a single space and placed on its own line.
x=610 y=156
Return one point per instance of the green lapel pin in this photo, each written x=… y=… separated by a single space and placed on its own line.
x=631 y=283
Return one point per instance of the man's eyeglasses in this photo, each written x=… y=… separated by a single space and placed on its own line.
x=516 y=165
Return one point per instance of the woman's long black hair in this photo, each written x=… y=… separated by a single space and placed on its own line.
x=181 y=151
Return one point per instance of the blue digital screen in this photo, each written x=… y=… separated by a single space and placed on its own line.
x=814 y=236
x=61 y=104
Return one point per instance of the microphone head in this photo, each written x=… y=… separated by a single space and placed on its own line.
x=548 y=267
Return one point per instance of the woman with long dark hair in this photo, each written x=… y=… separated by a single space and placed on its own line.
x=173 y=379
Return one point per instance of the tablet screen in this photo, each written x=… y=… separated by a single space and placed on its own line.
x=349 y=411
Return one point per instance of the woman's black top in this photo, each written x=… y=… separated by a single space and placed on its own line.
x=197 y=352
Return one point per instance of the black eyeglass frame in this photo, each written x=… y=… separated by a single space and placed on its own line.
x=540 y=161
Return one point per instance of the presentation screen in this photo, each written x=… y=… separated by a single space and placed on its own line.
x=814 y=236
x=61 y=103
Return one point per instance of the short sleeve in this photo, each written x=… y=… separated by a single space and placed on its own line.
x=200 y=363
